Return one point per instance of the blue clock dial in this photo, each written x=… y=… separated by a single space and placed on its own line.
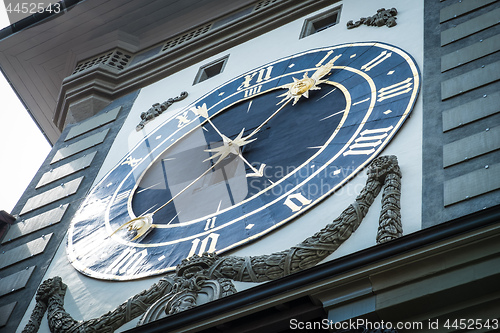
x=279 y=149
x=244 y=159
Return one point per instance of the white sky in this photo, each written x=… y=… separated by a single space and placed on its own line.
x=23 y=148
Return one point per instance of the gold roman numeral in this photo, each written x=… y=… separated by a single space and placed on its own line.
x=376 y=61
x=262 y=74
x=296 y=201
x=127 y=262
x=396 y=89
x=203 y=244
x=366 y=143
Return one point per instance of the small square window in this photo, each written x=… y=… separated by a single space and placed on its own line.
x=210 y=70
x=320 y=22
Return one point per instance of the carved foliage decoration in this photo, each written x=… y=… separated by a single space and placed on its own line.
x=183 y=296
x=201 y=279
x=383 y=17
x=156 y=109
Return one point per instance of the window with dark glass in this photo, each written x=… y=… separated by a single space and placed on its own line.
x=210 y=70
x=320 y=22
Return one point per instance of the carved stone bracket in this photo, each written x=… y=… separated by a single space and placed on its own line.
x=201 y=279
x=156 y=109
x=383 y=17
x=188 y=293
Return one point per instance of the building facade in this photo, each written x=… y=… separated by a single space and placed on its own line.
x=237 y=166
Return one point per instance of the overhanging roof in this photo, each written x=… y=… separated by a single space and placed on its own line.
x=37 y=53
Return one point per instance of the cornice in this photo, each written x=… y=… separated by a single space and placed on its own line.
x=402 y=259
x=110 y=83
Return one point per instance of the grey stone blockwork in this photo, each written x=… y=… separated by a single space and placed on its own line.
x=41 y=227
x=460 y=113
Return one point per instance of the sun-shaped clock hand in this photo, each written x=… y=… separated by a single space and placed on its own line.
x=144 y=223
x=234 y=147
x=299 y=88
x=296 y=90
x=229 y=146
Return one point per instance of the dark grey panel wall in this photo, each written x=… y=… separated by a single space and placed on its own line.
x=461 y=143
x=48 y=204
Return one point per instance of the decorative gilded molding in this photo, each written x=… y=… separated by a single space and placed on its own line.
x=200 y=279
x=383 y=17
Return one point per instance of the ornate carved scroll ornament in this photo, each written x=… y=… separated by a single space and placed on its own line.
x=156 y=109
x=201 y=279
x=383 y=17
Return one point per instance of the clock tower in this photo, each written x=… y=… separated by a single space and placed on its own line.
x=256 y=165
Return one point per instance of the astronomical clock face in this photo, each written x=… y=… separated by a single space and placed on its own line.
x=246 y=158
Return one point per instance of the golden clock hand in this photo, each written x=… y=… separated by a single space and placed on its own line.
x=141 y=224
x=144 y=223
x=229 y=147
x=255 y=131
x=297 y=89
x=256 y=173
x=203 y=111
x=185 y=188
x=233 y=147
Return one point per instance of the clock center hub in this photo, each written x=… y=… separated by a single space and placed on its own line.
x=301 y=86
